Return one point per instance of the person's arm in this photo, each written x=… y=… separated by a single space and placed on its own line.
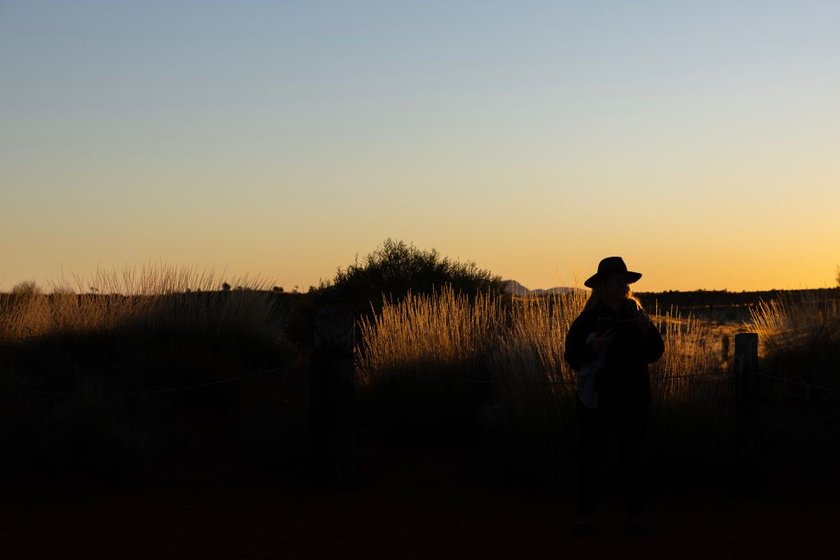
x=649 y=345
x=652 y=344
x=577 y=350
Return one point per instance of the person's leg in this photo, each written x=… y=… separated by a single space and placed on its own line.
x=631 y=427
x=592 y=436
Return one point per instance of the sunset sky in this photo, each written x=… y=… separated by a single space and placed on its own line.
x=699 y=140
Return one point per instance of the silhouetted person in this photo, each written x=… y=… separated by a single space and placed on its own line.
x=609 y=346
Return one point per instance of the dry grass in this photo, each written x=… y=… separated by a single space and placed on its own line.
x=421 y=365
x=799 y=337
x=692 y=413
x=152 y=298
x=429 y=334
x=534 y=386
x=499 y=363
x=509 y=356
x=70 y=354
x=793 y=320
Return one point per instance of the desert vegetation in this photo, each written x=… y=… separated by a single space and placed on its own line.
x=395 y=269
x=800 y=335
x=92 y=375
x=800 y=344
x=444 y=366
x=94 y=372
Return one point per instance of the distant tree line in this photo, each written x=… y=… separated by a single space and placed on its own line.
x=714 y=298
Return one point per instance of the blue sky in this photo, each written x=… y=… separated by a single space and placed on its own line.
x=281 y=139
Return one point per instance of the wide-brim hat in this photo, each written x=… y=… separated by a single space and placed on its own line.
x=610 y=266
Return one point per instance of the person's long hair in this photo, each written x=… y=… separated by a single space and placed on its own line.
x=596 y=298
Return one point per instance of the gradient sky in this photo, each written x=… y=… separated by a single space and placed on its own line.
x=699 y=140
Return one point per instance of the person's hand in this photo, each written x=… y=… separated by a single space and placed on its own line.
x=643 y=322
x=601 y=342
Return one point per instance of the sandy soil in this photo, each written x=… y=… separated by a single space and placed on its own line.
x=408 y=504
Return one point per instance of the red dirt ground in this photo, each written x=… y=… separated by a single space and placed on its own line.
x=412 y=504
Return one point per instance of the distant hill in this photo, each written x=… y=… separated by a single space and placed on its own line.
x=513 y=287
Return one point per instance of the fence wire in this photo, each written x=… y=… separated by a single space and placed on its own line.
x=808 y=386
x=510 y=382
x=147 y=392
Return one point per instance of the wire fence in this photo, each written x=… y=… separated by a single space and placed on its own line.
x=148 y=392
x=808 y=386
x=654 y=379
x=545 y=382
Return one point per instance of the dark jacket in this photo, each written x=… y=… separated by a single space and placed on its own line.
x=623 y=379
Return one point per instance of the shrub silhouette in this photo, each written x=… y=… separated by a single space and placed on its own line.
x=26 y=288
x=396 y=269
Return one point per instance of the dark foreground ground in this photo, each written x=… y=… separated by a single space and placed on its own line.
x=412 y=504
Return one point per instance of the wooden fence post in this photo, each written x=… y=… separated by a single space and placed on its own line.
x=744 y=368
x=724 y=348
x=333 y=397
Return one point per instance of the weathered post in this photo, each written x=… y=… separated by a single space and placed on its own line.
x=744 y=368
x=724 y=348
x=333 y=396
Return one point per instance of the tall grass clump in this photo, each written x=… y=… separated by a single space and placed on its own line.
x=535 y=388
x=156 y=299
x=422 y=366
x=498 y=365
x=692 y=411
x=799 y=344
x=91 y=377
x=799 y=336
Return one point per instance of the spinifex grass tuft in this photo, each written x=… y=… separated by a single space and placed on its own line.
x=799 y=339
x=78 y=364
x=443 y=333
x=446 y=359
x=799 y=344
x=534 y=386
x=692 y=412
x=423 y=369
x=154 y=298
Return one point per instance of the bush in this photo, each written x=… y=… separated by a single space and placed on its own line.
x=26 y=288
x=397 y=269
x=799 y=335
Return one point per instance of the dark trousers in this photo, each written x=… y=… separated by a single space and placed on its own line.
x=629 y=423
